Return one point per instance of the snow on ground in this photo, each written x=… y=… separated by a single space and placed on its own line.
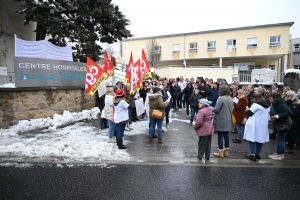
x=41 y=140
x=8 y=85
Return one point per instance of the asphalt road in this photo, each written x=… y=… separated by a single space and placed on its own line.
x=123 y=181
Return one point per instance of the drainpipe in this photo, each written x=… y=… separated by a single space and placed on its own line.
x=184 y=51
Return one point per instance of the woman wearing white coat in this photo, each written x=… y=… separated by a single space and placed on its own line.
x=256 y=128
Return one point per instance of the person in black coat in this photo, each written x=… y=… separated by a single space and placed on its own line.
x=203 y=89
x=176 y=91
x=194 y=103
x=188 y=91
x=101 y=104
x=168 y=108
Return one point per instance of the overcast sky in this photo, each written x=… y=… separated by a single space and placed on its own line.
x=161 y=17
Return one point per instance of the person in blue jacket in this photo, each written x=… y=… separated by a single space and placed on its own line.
x=213 y=94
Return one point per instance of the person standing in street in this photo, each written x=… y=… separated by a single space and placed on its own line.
x=188 y=91
x=222 y=120
x=176 y=94
x=120 y=116
x=256 y=127
x=280 y=112
x=194 y=102
x=182 y=85
x=156 y=103
x=204 y=128
x=213 y=94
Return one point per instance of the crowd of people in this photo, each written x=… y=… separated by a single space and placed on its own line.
x=215 y=107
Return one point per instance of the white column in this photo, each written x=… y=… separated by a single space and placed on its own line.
x=285 y=62
x=220 y=63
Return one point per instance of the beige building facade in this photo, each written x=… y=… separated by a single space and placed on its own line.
x=243 y=49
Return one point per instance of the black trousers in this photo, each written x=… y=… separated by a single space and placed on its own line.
x=187 y=108
x=204 y=146
x=167 y=116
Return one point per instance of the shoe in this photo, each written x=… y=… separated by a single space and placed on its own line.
x=162 y=131
x=257 y=156
x=251 y=157
x=112 y=140
x=129 y=126
x=179 y=109
x=127 y=129
x=191 y=124
x=150 y=139
x=159 y=141
x=225 y=153
x=120 y=145
x=233 y=131
x=237 y=141
x=276 y=156
x=289 y=151
x=219 y=154
x=167 y=126
x=188 y=116
x=143 y=116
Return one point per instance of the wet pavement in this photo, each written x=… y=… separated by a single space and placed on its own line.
x=180 y=145
x=48 y=181
x=167 y=171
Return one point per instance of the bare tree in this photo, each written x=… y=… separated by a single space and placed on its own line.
x=153 y=52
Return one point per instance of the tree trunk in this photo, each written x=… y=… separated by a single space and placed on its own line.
x=40 y=32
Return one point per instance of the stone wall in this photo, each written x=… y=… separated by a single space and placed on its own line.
x=292 y=80
x=32 y=103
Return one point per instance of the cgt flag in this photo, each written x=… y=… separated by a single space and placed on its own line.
x=127 y=75
x=108 y=65
x=145 y=69
x=135 y=77
x=95 y=76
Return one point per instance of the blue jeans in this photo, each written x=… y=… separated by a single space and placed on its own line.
x=120 y=131
x=153 y=123
x=255 y=147
x=281 y=143
x=111 y=128
x=240 y=129
x=221 y=135
x=193 y=112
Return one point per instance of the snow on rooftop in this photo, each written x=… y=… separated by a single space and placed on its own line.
x=292 y=71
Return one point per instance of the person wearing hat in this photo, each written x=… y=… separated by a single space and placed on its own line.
x=121 y=117
x=156 y=103
x=204 y=128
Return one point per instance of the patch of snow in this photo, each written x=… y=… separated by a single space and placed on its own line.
x=292 y=71
x=8 y=85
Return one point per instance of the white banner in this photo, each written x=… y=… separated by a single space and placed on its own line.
x=42 y=49
x=139 y=105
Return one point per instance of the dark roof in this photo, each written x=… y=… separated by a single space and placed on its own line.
x=213 y=31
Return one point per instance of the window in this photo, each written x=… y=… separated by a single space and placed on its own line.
x=274 y=40
x=297 y=47
x=211 y=45
x=193 y=46
x=271 y=67
x=296 y=66
x=176 y=47
x=157 y=49
x=257 y=67
x=231 y=43
x=252 y=42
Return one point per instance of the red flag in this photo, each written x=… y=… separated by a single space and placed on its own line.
x=108 y=65
x=112 y=67
x=95 y=76
x=145 y=69
x=127 y=75
x=135 y=77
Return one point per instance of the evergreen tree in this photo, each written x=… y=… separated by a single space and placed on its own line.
x=82 y=22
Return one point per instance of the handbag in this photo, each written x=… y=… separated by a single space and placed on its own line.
x=107 y=112
x=281 y=125
x=156 y=114
x=233 y=120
